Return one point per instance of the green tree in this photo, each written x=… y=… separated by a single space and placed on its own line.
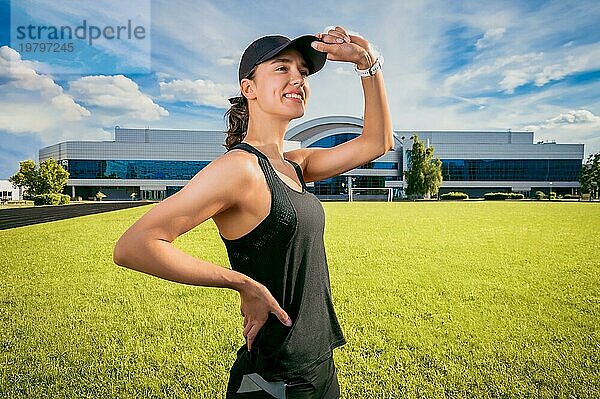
x=50 y=178
x=424 y=176
x=53 y=176
x=433 y=175
x=27 y=178
x=589 y=179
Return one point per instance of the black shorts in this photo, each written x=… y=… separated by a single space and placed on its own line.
x=320 y=383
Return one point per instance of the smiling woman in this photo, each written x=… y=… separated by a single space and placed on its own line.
x=272 y=227
x=280 y=56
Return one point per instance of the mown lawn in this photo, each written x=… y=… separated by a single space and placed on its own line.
x=478 y=299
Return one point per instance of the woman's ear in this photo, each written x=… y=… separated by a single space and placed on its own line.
x=247 y=88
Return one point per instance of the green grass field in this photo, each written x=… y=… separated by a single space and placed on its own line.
x=480 y=299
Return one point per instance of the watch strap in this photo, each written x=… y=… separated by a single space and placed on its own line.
x=372 y=70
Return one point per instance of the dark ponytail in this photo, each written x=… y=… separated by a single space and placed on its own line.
x=237 y=122
x=237 y=119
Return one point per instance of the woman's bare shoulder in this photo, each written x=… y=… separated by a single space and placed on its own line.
x=217 y=187
x=231 y=173
x=238 y=162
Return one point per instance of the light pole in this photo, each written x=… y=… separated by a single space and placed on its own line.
x=404 y=166
x=550 y=194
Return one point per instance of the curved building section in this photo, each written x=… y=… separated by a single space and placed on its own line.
x=329 y=131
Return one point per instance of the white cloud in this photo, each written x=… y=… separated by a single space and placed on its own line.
x=580 y=125
x=116 y=98
x=495 y=68
x=514 y=78
x=580 y=116
x=541 y=74
x=231 y=59
x=161 y=76
x=226 y=61
x=200 y=92
x=490 y=37
x=558 y=71
x=519 y=70
x=480 y=103
x=199 y=39
x=32 y=102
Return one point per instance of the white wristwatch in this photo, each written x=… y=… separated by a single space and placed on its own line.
x=370 y=71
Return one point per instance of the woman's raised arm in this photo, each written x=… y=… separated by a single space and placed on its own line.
x=377 y=135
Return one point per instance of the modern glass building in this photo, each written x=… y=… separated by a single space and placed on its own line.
x=155 y=163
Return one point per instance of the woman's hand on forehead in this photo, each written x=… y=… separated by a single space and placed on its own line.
x=342 y=46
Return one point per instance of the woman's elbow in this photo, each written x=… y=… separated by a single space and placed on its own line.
x=389 y=140
x=121 y=251
x=118 y=254
x=388 y=145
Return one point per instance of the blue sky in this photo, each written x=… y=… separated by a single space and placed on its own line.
x=465 y=65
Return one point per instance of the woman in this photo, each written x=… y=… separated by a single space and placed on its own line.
x=271 y=226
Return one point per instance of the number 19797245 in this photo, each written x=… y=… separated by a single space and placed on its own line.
x=45 y=47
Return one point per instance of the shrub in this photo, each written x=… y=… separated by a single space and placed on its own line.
x=571 y=196
x=495 y=196
x=502 y=196
x=454 y=195
x=539 y=195
x=20 y=202
x=51 y=199
x=47 y=199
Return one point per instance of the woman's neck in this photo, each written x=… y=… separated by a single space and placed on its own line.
x=266 y=134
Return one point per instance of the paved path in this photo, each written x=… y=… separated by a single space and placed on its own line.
x=17 y=217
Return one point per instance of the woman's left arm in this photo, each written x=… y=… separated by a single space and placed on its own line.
x=377 y=133
x=377 y=128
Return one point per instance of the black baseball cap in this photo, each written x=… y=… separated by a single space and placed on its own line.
x=267 y=47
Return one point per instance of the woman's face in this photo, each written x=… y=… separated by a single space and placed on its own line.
x=280 y=85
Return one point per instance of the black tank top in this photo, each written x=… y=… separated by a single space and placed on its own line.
x=286 y=253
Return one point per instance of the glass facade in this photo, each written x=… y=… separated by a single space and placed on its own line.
x=380 y=165
x=140 y=169
x=335 y=139
x=332 y=186
x=511 y=169
x=172 y=190
x=338 y=185
x=498 y=170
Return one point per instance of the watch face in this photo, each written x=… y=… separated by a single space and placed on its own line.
x=376 y=67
